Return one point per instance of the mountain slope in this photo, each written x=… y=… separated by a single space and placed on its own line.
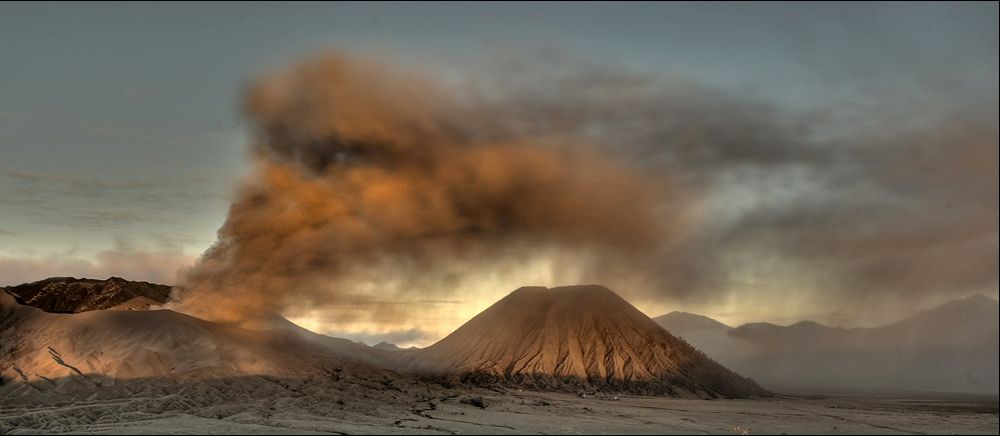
x=577 y=336
x=72 y=295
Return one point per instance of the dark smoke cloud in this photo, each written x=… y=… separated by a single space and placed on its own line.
x=376 y=186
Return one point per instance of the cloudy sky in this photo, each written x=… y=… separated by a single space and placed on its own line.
x=844 y=157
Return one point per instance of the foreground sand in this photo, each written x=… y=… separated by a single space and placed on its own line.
x=265 y=405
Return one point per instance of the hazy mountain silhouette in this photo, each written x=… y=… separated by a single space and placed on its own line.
x=953 y=347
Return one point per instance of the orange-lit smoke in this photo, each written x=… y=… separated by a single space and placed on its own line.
x=360 y=163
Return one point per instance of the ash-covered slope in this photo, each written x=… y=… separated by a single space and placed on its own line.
x=73 y=295
x=120 y=344
x=575 y=337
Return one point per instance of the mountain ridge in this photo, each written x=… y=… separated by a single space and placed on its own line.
x=73 y=295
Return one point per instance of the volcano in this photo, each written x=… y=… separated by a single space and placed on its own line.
x=129 y=344
x=573 y=338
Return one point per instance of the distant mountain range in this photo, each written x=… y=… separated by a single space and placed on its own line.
x=571 y=338
x=953 y=347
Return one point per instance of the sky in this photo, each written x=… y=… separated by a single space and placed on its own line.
x=845 y=155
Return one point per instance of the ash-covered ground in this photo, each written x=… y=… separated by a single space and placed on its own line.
x=345 y=404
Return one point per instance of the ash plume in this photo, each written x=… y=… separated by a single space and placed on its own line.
x=360 y=163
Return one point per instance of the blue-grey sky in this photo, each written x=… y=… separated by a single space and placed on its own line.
x=121 y=140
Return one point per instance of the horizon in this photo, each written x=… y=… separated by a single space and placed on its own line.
x=373 y=340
